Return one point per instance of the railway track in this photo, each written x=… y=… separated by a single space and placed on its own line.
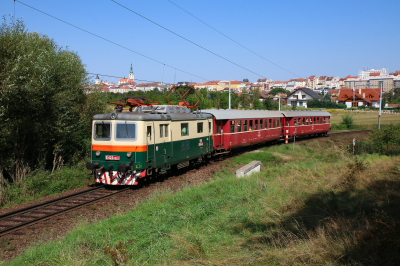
x=17 y=220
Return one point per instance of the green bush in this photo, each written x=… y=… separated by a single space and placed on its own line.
x=347 y=120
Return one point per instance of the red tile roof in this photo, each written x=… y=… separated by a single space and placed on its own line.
x=367 y=95
x=375 y=74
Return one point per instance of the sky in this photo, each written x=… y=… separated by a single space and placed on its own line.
x=294 y=38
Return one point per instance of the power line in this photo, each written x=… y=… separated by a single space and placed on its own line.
x=180 y=36
x=110 y=41
x=233 y=40
x=116 y=77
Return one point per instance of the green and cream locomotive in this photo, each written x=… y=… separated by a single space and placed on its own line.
x=127 y=146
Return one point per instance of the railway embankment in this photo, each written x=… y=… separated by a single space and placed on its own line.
x=316 y=204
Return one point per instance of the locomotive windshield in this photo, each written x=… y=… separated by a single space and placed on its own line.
x=125 y=131
x=102 y=131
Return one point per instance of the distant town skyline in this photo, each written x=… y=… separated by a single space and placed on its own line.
x=305 y=38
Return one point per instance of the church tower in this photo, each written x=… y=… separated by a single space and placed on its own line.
x=131 y=75
x=97 y=80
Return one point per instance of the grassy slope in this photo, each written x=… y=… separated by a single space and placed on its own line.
x=42 y=183
x=313 y=206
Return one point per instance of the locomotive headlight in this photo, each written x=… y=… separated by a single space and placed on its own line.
x=129 y=154
x=97 y=153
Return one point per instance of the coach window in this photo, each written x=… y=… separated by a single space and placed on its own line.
x=306 y=121
x=251 y=125
x=200 y=127
x=239 y=126
x=270 y=123
x=244 y=125
x=295 y=122
x=102 y=131
x=274 y=123
x=315 y=119
x=209 y=127
x=184 y=129
x=256 y=124
x=232 y=126
x=328 y=119
x=261 y=123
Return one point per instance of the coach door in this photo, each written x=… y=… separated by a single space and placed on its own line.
x=220 y=130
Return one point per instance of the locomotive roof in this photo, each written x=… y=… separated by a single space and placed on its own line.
x=305 y=113
x=241 y=114
x=136 y=116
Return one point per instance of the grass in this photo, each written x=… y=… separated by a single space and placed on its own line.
x=316 y=205
x=41 y=183
x=366 y=119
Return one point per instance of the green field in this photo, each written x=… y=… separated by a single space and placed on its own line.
x=318 y=205
x=366 y=118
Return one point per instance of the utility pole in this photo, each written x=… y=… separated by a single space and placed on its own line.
x=279 y=101
x=380 y=107
x=229 y=92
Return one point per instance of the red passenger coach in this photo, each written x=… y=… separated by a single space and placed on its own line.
x=302 y=123
x=239 y=128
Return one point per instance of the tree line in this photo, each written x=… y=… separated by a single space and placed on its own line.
x=45 y=111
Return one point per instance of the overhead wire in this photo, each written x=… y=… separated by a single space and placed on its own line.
x=233 y=40
x=109 y=41
x=180 y=36
x=103 y=75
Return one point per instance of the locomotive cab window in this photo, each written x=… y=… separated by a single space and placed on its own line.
x=125 y=131
x=102 y=131
x=200 y=127
x=184 y=129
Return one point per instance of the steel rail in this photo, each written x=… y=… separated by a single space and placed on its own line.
x=12 y=228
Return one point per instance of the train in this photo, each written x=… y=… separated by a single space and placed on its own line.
x=150 y=140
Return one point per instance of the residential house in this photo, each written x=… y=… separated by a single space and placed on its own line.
x=359 y=97
x=300 y=97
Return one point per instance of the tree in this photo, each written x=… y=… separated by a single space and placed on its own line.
x=245 y=80
x=244 y=100
x=270 y=105
x=45 y=111
x=279 y=90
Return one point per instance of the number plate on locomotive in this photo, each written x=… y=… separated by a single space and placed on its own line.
x=112 y=158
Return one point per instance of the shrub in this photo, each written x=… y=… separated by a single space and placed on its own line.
x=347 y=120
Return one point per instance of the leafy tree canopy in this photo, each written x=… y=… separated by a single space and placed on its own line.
x=279 y=90
x=45 y=112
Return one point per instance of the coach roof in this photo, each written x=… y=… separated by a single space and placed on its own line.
x=305 y=113
x=241 y=114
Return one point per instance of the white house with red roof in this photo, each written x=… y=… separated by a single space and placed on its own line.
x=359 y=97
